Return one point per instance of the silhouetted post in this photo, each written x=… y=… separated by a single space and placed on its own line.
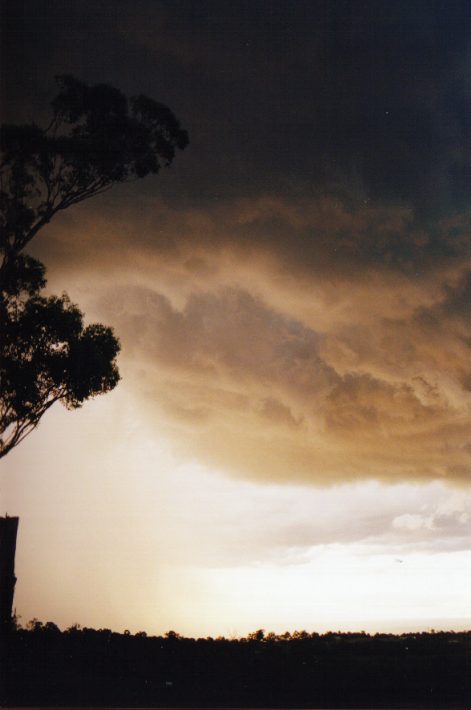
x=8 y=531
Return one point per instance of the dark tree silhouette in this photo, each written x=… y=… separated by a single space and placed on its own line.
x=47 y=355
x=102 y=668
x=95 y=139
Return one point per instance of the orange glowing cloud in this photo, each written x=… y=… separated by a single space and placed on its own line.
x=315 y=341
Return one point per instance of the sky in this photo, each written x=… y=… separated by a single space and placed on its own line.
x=289 y=447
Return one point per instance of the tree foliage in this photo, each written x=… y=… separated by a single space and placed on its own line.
x=95 y=139
x=48 y=355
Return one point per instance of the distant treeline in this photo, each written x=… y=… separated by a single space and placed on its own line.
x=88 y=667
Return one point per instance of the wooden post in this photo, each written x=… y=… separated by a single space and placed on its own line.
x=8 y=531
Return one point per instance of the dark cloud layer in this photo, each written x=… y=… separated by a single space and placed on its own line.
x=335 y=134
x=293 y=294
x=317 y=128
x=276 y=96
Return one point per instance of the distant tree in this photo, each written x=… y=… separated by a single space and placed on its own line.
x=95 y=139
x=258 y=635
x=172 y=635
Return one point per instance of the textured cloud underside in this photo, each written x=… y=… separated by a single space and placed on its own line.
x=266 y=366
x=293 y=295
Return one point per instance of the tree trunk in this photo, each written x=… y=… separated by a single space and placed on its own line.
x=8 y=531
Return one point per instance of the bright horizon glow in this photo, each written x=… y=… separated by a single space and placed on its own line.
x=124 y=536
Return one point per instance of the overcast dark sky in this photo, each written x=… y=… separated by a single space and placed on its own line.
x=292 y=297
x=276 y=95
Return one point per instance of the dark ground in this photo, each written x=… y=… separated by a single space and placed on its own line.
x=98 y=668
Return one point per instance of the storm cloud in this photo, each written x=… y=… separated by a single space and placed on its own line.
x=292 y=296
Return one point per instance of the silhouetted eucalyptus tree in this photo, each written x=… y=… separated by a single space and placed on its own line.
x=95 y=139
